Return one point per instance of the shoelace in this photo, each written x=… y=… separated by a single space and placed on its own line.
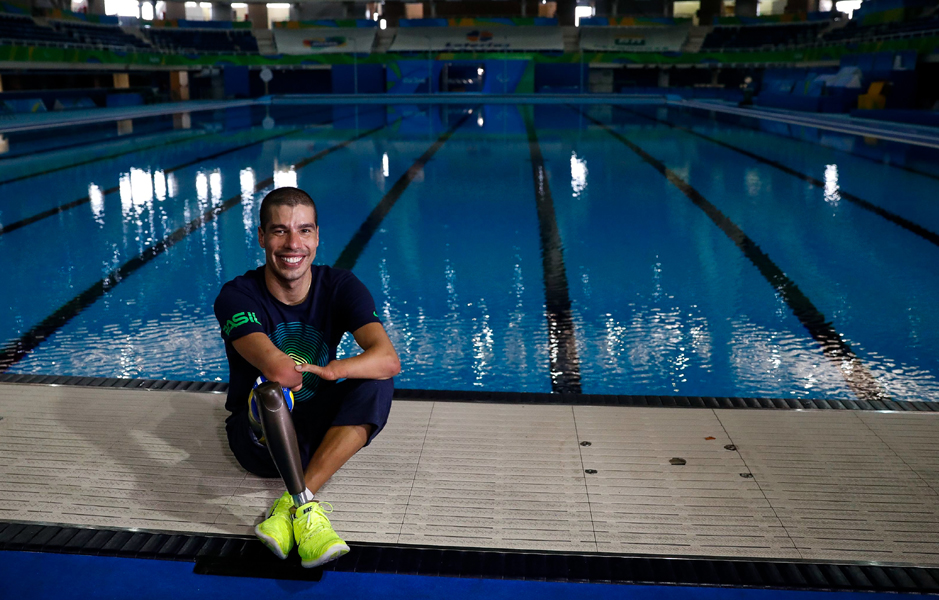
x=319 y=514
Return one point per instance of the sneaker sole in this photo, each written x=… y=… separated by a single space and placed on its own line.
x=333 y=553
x=271 y=544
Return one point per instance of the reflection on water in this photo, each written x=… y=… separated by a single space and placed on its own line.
x=96 y=202
x=578 y=174
x=202 y=188
x=172 y=187
x=248 y=183
x=284 y=176
x=215 y=184
x=831 y=184
x=159 y=185
x=664 y=302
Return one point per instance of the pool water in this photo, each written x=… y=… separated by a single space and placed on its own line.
x=622 y=250
x=50 y=576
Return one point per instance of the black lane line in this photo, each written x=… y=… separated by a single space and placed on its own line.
x=353 y=250
x=15 y=350
x=84 y=200
x=562 y=341
x=858 y=378
x=892 y=217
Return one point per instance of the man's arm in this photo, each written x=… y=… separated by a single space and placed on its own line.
x=377 y=361
x=260 y=351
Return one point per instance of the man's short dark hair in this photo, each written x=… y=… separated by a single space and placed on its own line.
x=286 y=196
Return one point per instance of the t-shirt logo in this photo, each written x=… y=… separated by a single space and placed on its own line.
x=305 y=345
x=240 y=319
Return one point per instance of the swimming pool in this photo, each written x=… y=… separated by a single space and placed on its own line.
x=640 y=249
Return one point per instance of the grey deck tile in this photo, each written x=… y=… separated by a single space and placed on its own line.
x=844 y=485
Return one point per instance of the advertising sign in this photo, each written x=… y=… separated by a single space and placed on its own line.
x=477 y=39
x=324 y=40
x=633 y=39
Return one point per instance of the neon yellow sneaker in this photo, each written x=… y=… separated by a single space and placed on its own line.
x=276 y=531
x=316 y=540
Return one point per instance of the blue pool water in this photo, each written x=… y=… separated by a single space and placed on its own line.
x=802 y=292
x=52 y=576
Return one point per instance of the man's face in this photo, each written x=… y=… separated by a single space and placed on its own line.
x=289 y=241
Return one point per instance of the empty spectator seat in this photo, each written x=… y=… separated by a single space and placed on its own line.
x=746 y=37
x=899 y=29
x=99 y=35
x=19 y=28
x=204 y=40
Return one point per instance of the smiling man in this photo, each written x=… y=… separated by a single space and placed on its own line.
x=282 y=323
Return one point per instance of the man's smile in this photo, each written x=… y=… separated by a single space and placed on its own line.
x=291 y=259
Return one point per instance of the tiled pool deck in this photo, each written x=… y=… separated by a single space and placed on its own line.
x=819 y=485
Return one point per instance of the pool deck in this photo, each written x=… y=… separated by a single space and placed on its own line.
x=51 y=119
x=814 y=485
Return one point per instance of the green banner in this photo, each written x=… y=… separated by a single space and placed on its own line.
x=76 y=56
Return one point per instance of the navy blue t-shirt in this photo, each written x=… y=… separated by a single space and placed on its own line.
x=308 y=332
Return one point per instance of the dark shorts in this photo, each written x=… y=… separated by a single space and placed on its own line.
x=349 y=402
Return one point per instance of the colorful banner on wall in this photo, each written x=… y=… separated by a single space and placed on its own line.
x=60 y=57
x=324 y=40
x=634 y=39
x=477 y=39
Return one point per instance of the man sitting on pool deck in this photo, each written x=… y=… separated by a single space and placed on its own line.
x=283 y=321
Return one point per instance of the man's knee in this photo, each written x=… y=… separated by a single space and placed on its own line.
x=365 y=402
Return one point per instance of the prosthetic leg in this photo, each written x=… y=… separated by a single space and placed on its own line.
x=281 y=438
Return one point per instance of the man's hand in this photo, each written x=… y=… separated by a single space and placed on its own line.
x=377 y=361
x=330 y=372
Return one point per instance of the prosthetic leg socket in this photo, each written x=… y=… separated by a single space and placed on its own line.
x=281 y=438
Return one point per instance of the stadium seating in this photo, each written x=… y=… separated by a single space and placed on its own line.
x=99 y=35
x=203 y=40
x=899 y=29
x=16 y=28
x=773 y=36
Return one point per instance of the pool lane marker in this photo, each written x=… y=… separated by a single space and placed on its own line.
x=876 y=161
x=894 y=218
x=858 y=378
x=196 y=136
x=70 y=205
x=188 y=138
x=15 y=350
x=562 y=341
x=353 y=250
